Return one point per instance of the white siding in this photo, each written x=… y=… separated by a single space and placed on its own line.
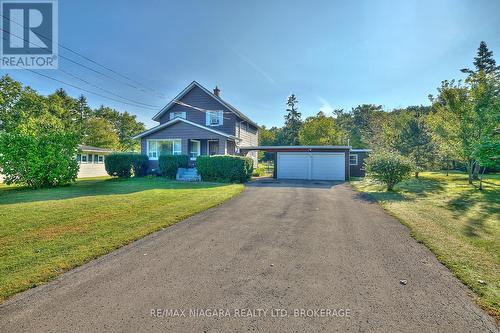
x=91 y=170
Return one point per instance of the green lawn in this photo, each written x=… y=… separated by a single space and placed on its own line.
x=46 y=232
x=459 y=223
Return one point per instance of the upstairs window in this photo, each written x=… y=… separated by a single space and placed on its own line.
x=214 y=118
x=174 y=115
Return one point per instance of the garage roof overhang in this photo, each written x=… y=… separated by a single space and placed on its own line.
x=296 y=148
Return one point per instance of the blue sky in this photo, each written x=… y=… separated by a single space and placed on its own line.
x=331 y=54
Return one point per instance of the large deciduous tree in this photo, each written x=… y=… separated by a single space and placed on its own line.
x=320 y=130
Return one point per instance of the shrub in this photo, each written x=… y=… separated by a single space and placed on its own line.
x=225 y=168
x=140 y=163
x=123 y=164
x=388 y=168
x=170 y=163
x=119 y=164
x=43 y=160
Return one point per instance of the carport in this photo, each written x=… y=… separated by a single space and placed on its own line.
x=307 y=162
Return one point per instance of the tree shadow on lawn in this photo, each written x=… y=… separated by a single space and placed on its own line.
x=409 y=190
x=97 y=187
x=489 y=199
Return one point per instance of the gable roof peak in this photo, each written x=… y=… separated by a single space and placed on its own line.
x=208 y=92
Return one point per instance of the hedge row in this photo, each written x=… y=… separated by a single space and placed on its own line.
x=170 y=163
x=224 y=168
x=124 y=164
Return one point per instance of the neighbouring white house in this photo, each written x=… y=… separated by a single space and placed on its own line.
x=91 y=161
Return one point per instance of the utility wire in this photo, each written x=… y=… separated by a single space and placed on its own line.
x=105 y=90
x=83 y=89
x=136 y=104
x=88 y=59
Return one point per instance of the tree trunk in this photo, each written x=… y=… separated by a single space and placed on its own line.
x=475 y=173
x=481 y=180
x=416 y=174
x=469 y=166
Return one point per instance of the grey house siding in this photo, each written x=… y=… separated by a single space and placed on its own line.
x=185 y=132
x=248 y=134
x=199 y=98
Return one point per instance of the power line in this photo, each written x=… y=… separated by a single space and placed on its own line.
x=83 y=89
x=85 y=66
x=136 y=104
x=105 y=90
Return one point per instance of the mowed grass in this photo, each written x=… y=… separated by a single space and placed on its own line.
x=459 y=223
x=46 y=232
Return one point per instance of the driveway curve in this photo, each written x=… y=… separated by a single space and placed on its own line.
x=282 y=256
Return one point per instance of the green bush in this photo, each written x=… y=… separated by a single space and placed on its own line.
x=43 y=160
x=170 y=163
x=389 y=168
x=225 y=168
x=119 y=164
x=140 y=163
x=123 y=164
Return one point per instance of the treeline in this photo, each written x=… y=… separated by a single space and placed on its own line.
x=460 y=128
x=23 y=110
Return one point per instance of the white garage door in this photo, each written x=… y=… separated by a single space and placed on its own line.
x=313 y=166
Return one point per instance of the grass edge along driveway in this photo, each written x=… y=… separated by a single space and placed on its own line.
x=46 y=232
x=457 y=222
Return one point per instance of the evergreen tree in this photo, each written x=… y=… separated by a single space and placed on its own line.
x=483 y=61
x=293 y=123
x=416 y=143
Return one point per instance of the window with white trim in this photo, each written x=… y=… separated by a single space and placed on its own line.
x=157 y=148
x=195 y=149
x=84 y=158
x=214 y=118
x=101 y=159
x=353 y=159
x=174 y=115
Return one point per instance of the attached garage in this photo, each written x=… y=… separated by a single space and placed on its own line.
x=307 y=162
x=311 y=165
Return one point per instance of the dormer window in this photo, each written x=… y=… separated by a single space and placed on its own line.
x=214 y=118
x=174 y=115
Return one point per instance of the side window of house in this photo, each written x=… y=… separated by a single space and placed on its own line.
x=84 y=158
x=174 y=115
x=89 y=158
x=353 y=159
x=214 y=118
x=101 y=159
x=79 y=158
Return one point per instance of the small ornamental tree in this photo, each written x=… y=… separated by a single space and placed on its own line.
x=389 y=168
x=44 y=160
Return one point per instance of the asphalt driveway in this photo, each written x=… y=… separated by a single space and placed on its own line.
x=286 y=256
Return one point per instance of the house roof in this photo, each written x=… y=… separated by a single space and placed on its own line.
x=217 y=98
x=94 y=149
x=175 y=121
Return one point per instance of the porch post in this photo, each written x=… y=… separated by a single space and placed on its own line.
x=185 y=146
x=222 y=146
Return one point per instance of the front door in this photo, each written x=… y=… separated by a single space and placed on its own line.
x=213 y=147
